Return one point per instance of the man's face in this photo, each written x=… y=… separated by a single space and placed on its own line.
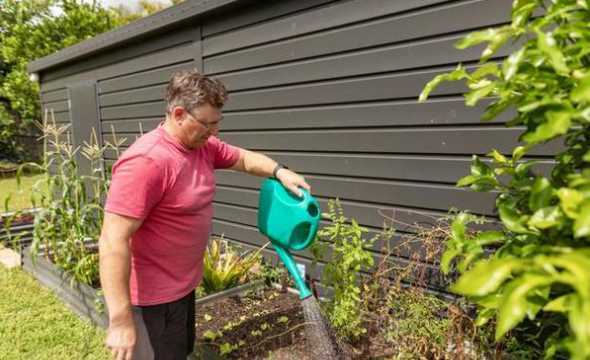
x=196 y=125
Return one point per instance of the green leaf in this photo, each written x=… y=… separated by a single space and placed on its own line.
x=582 y=224
x=519 y=152
x=570 y=199
x=546 y=217
x=484 y=316
x=541 y=194
x=211 y=335
x=578 y=320
x=479 y=168
x=511 y=64
x=485 y=70
x=511 y=219
x=467 y=180
x=458 y=227
x=557 y=123
x=548 y=45
x=495 y=109
x=515 y=305
x=489 y=237
x=476 y=37
x=521 y=11
x=560 y=304
x=586 y=156
x=447 y=258
x=498 y=157
x=474 y=96
x=485 y=277
x=458 y=74
x=581 y=92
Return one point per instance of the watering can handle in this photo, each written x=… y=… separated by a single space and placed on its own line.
x=312 y=231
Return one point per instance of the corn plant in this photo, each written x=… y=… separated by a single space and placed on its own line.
x=224 y=267
x=70 y=215
x=540 y=270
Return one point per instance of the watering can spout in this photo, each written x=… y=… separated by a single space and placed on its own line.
x=290 y=222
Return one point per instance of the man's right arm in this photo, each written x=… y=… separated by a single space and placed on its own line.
x=114 y=255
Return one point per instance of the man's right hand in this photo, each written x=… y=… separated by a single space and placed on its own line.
x=121 y=338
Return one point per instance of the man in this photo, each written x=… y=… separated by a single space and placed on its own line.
x=158 y=217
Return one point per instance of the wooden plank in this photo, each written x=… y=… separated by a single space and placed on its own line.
x=58 y=106
x=434 y=112
x=422 y=54
x=254 y=13
x=154 y=109
x=147 y=78
x=369 y=88
x=319 y=19
x=177 y=54
x=151 y=93
x=443 y=19
x=131 y=125
x=364 y=115
x=131 y=50
x=60 y=117
x=440 y=169
x=57 y=95
x=447 y=140
x=385 y=192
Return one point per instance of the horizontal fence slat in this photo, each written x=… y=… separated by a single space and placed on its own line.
x=475 y=140
x=449 y=141
x=397 y=58
x=369 y=88
x=58 y=106
x=130 y=125
x=154 y=109
x=152 y=93
x=146 y=78
x=433 y=21
x=431 y=113
x=180 y=53
x=253 y=13
x=394 y=193
x=58 y=95
x=319 y=19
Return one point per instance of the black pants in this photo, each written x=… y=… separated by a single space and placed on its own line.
x=165 y=331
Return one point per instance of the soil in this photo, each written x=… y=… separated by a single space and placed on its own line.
x=23 y=219
x=263 y=324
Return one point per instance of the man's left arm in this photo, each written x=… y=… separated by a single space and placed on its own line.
x=258 y=164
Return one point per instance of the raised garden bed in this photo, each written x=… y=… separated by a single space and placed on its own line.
x=259 y=324
x=82 y=299
x=21 y=227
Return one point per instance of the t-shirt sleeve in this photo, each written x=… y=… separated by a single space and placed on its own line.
x=137 y=184
x=223 y=154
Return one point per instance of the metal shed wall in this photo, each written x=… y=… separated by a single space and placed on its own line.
x=330 y=89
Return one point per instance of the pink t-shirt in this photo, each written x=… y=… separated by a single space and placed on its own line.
x=171 y=188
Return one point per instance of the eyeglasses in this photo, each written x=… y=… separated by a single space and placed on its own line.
x=206 y=125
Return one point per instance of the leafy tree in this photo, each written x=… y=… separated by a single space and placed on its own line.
x=541 y=267
x=31 y=29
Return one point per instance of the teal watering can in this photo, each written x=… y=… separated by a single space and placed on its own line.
x=290 y=222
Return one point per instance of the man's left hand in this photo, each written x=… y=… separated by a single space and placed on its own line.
x=292 y=181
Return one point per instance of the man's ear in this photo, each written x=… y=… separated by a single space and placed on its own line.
x=178 y=113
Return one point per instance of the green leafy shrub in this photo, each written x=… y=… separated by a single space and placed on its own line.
x=541 y=267
x=224 y=267
x=342 y=271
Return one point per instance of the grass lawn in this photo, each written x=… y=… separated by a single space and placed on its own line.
x=21 y=198
x=34 y=324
